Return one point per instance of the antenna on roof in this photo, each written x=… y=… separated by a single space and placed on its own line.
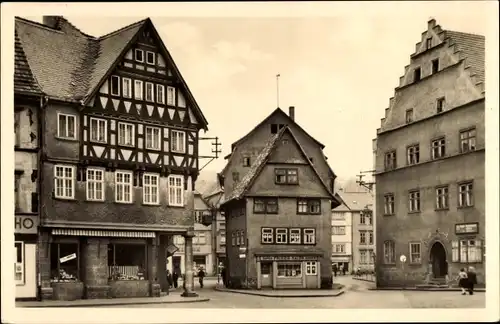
x=278 y=90
x=367 y=184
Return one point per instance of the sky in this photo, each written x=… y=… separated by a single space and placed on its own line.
x=339 y=71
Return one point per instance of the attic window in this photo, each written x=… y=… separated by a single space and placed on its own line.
x=150 y=58
x=274 y=128
x=115 y=85
x=416 y=74
x=139 y=55
x=440 y=105
x=435 y=66
x=428 y=43
x=246 y=161
x=409 y=116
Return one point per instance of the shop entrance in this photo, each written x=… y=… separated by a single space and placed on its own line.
x=266 y=274
x=438 y=260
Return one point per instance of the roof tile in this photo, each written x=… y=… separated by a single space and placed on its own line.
x=473 y=48
x=24 y=81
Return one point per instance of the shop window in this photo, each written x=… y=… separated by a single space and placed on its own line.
x=289 y=270
x=199 y=261
x=311 y=268
x=64 y=262
x=127 y=261
x=19 y=264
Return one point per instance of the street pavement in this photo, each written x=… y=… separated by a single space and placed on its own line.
x=357 y=295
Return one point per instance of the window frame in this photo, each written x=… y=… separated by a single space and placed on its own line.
x=67 y=117
x=390 y=203
x=123 y=183
x=170 y=100
x=147 y=58
x=390 y=160
x=310 y=265
x=312 y=233
x=413 y=154
x=131 y=135
x=264 y=238
x=468 y=140
x=141 y=86
x=266 y=202
x=287 y=175
x=64 y=179
x=339 y=232
x=440 y=148
x=150 y=175
x=177 y=141
x=280 y=233
x=470 y=192
x=411 y=253
x=389 y=259
x=292 y=232
x=445 y=192
x=479 y=250
x=99 y=120
x=414 y=199
x=146 y=260
x=170 y=201
x=415 y=78
x=246 y=161
x=129 y=88
x=341 y=250
x=138 y=50
x=409 y=116
x=362 y=237
x=152 y=87
x=308 y=203
x=162 y=97
x=111 y=85
x=152 y=128
x=90 y=181
x=428 y=43
x=434 y=71
x=440 y=103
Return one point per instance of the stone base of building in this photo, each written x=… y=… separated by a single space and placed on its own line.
x=96 y=292
x=67 y=290
x=46 y=293
x=155 y=290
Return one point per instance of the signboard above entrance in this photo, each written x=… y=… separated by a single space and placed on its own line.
x=287 y=258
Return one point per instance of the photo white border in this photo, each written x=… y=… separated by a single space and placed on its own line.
x=123 y=315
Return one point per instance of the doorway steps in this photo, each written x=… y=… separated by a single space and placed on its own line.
x=435 y=283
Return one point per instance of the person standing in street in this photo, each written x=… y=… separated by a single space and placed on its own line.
x=462 y=280
x=223 y=275
x=335 y=269
x=201 y=275
x=169 y=279
x=175 y=278
x=472 y=280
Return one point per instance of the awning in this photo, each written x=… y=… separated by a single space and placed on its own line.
x=85 y=232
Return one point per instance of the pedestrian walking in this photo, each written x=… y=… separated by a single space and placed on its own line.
x=462 y=280
x=169 y=279
x=341 y=270
x=335 y=269
x=224 y=276
x=472 y=280
x=201 y=275
x=175 y=278
x=344 y=269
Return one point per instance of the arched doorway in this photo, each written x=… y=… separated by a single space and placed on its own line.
x=438 y=260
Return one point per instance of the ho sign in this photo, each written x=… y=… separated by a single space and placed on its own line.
x=26 y=224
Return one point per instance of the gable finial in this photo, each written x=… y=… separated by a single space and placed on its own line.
x=278 y=90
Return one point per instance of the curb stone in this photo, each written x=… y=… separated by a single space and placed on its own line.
x=481 y=290
x=117 y=303
x=263 y=294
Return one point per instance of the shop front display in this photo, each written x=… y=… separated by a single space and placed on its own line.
x=282 y=272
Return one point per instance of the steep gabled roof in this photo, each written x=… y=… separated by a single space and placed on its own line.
x=24 y=81
x=246 y=182
x=357 y=201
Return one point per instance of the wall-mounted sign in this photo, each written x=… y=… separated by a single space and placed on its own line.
x=467 y=228
x=287 y=258
x=26 y=224
x=67 y=258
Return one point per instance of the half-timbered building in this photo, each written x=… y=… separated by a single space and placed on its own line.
x=119 y=136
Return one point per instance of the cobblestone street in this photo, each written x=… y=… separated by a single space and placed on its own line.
x=357 y=295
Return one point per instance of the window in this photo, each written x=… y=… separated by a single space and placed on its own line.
x=338 y=230
x=281 y=236
x=66 y=126
x=416 y=74
x=362 y=237
x=127 y=87
x=236 y=176
x=115 y=85
x=64 y=182
x=363 y=256
x=246 y=161
x=440 y=105
x=150 y=92
x=199 y=238
x=295 y=236
x=123 y=186
x=138 y=92
x=286 y=176
x=389 y=204
x=176 y=190
x=311 y=268
x=413 y=154
x=465 y=194
x=289 y=270
x=370 y=237
x=139 y=55
x=150 y=58
x=222 y=236
x=233 y=238
x=64 y=262
x=414 y=201
x=438 y=148
x=308 y=206
x=390 y=160
x=127 y=261
x=366 y=217
x=95 y=184
x=17 y=126
x=238 y=238
x=150 y=184
x=415 y=254
x=19 y=264
x=309 y=236
x=338 y=215
x=468 y=140
x=389 y=252
x=126 y=134
x=442 y=197
x=409 y=116
x=265 y=206
x=242 y=237
x=178 y=144
x=470 y=251
x=153 y=138
x=267 y=236
x=171 y=96
x=274 y=128
x=98 y=130
x=339 y=248
x=428 y=43
x=160 y=94
x=435 y=66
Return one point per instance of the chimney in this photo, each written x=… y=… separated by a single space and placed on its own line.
x=51 y=21
x=431 y=23
x=291 y=112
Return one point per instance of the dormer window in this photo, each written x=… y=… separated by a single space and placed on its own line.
x=409 y=116
x=274 y=128
x=150 y=58
x=417 y=74
x=246 y=161
x=428 y=43
x=139 y=55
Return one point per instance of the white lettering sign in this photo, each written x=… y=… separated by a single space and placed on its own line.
x=67 y=258
x=242 y=256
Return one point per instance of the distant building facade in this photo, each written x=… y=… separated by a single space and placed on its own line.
x=430 y=150
x=279 y=231
x=215 y=198
x=342 y=238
